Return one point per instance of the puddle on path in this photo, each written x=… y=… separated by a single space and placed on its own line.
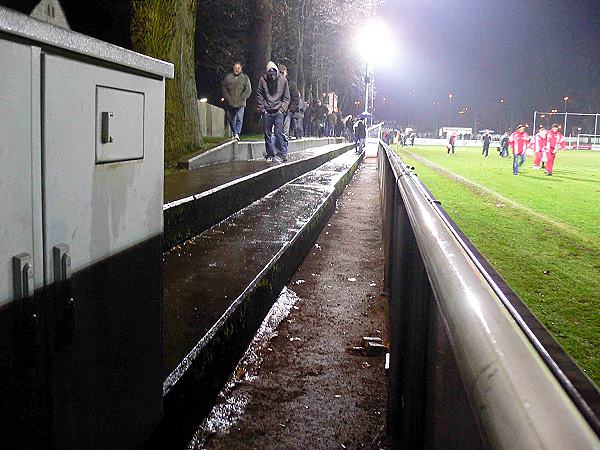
x=231 y=404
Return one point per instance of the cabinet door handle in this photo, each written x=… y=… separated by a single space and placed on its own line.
x=27 y=321
x=65 y=304
x=106 y=135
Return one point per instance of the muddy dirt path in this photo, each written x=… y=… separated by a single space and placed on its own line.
x=303 y=388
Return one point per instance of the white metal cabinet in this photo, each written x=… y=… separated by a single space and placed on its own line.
x=81 y=189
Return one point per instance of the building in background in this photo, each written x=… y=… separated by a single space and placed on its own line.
x=50 y=11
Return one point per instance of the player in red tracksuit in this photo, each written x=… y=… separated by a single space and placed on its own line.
x=539 y=146
x=518 y=141
x=554 y=140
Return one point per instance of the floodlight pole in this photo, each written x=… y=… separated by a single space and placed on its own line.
x=367 y=86
x=565 y=125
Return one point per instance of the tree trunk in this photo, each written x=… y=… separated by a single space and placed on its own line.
x=260 y=13
x=300 y=54
x=165 y=30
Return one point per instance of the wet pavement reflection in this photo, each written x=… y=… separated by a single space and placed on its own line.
x=203 y=276
x=189 y=182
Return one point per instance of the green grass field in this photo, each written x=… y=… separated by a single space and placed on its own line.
x=541 y=233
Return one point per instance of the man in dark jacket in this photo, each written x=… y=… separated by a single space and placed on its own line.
x=308 y=119
x=294 y=100
x=273 y=100
x=360 y=131
x=236 y=90
x=487 y=138
x=320 y=117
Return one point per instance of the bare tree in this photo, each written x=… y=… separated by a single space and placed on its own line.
x=258 y=52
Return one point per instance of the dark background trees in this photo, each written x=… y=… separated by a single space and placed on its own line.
x=314 y=38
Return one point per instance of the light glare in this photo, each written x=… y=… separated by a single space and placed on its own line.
x=375 y=42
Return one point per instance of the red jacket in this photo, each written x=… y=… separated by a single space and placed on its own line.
x=518 y=142
x=553 y=140
x=538 y=142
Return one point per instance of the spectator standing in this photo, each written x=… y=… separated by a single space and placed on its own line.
x=518 y=141
x=487 y=138
x=330 y=124
x=348 y=124
x=504 y=145
x=236 y=90
x=360 y=131
x=298 y=119
x=308 y=118
x=294 y=100
x=339 y=125
x=273 y=100
x=554 y=140
x=320 y=118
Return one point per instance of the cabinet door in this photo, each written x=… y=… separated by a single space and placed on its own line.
x=103 y=191
x=21 y=319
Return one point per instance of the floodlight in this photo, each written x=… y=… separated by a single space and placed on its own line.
x=375 y=41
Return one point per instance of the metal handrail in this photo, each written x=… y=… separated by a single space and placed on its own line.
x=373 y=127
x=517 y=400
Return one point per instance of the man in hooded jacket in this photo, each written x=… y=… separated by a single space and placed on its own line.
x=273 y=100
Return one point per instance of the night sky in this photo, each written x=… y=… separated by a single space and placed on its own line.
x=530 y=53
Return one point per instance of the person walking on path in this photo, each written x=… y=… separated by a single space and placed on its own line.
x=518 y=141
x=320 y=118
x=273 y=100
x=360 y=131
x=487 y=138
x=236 y=90
x=294 y=100
x=539 y=147
x=554 y=140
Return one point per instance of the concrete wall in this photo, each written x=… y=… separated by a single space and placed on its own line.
x=212 y=120
x=245 y=151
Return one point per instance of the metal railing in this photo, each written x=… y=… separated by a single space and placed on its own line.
x=374 y=131
x=464 y=371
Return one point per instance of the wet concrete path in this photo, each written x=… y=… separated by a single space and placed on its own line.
x=189 y=182
x=303 y=388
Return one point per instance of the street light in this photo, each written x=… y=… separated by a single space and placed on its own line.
x=449 y=106
x=435 y=116
x=565 y=125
